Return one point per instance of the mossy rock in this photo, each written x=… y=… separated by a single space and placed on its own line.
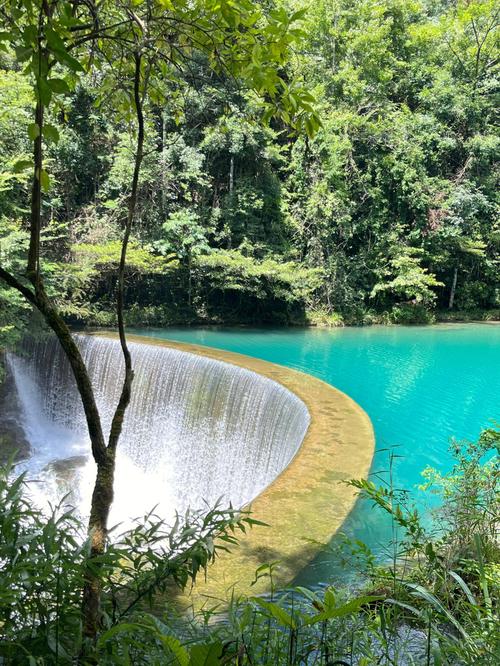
x=13 y=441
x=13 y=447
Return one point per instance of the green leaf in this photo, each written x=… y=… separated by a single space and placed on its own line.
x=44 y=93
x=296 y=16
x=438 y=658
x=426 y=595
x=206 y=655
x=44 y=180
x=50 y=133
x=58 y=86
x=279 y=614
x=22 y=165
x=22 y=53
x=54 y=40
x=118 y=629
x=330 y=600
x=57 y=647
x=309 y=594
x=33 y=131
x=465 y=588
x=351 y=607
x=30 y=35
x=175 y=648
x=66 y=59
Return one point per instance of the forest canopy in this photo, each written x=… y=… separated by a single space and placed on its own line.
x=369 y=194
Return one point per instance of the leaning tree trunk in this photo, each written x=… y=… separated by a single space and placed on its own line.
x=104 y=455
x=37 y=296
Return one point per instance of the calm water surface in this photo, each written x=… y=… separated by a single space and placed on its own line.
x=421 y=386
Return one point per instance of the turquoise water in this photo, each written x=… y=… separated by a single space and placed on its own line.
x=420 y=386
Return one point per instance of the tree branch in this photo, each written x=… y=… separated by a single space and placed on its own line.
x=117 y=423
x=13 y=282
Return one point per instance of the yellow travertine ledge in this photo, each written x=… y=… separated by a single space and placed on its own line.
x=307 y=499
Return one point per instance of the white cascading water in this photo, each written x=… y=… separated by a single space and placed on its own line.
x=196 y=429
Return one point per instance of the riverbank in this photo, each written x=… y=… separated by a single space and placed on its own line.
x=162 y=316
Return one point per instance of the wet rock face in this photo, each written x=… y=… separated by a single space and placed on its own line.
x=66 y=472
x=12 y=437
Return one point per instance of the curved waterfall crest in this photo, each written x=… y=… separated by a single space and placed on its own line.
x=197 y=429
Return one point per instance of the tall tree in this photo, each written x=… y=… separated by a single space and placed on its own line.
x=131 y=45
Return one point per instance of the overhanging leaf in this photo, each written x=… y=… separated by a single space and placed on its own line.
x=206 y=655
x=59 y=86
x=33 y=131
x=279 y=614
x=44 y=180
x=44 y=93
x=352 y=607
x=22 y=165
x=50 y=133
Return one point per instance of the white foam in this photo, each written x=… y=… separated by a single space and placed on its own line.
x=196 y=429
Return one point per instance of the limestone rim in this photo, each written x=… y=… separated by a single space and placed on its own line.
x=307 y=499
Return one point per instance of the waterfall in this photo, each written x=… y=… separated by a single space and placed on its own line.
x=196 y=429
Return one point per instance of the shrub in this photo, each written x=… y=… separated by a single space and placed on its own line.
x=436 y=603
x=411 y=313
x=324 y=318
x=44 y=559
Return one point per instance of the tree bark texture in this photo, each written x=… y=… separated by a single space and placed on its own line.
x=453 y=288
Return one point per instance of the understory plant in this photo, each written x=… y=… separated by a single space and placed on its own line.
x=44 y=558
x=435 y=602
x=447 y=574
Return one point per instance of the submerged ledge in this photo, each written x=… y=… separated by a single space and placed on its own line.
x=305 y=501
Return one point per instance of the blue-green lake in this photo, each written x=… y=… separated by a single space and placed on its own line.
x=421 y=386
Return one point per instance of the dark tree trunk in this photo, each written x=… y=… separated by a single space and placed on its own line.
x=453 y=288
x=103 y=454
x=102 y=497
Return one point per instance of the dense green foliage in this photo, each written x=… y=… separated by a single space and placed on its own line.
x=383 y=213
x=332 y=164
x=437 y=603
